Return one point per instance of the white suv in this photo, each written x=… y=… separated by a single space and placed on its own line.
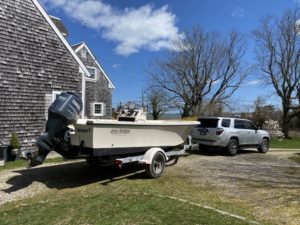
x=230 y=133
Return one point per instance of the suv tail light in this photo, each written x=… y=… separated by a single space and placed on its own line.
x=219 y=131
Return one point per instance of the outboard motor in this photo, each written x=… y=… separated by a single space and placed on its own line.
x=65 y=110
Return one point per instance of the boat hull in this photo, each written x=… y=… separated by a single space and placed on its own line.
x=108 y=137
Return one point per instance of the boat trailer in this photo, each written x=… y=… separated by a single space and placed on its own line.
x=155 y=159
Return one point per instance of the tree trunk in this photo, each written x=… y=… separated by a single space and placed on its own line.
x=185 y=111
x=196 y=109
x=285 y=123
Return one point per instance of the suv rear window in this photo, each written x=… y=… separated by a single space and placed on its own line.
x=226 y=123
x=208 y=123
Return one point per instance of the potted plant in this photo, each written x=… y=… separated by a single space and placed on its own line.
x=14 y=146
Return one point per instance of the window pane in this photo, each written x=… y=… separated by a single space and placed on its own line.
x=249 y=125
x=83 y=53
x=208 y=123
x=238 y=124
x=92 y=72
x=98 y=109
x=226 y=123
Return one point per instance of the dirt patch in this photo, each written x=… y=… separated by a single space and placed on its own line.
x=268 y=184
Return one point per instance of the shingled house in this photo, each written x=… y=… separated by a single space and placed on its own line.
x=99 y=97
x=36 y=64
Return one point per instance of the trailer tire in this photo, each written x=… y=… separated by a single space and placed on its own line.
x=92 y=162
x=157 y=166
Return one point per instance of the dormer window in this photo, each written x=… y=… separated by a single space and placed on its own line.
x=83 y=53
x=93 y=72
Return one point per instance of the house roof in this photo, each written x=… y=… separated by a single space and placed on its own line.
x=60 y=26
x=79 y=46
x=58 y=33
x=76 y=46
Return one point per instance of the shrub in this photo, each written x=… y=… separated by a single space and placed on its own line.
x=14 y=140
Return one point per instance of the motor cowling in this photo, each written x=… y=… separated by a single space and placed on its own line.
x=65 y=110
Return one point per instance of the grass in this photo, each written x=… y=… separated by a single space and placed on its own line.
x=110 y=207
x=23 y=163
x=133 y=200
x=293 y=142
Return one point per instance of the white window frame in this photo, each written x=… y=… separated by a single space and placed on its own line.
x=83 y=53
x=93 y=68
x=93 y=108
x=54 y=95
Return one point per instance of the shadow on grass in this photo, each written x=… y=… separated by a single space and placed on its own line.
x=72 y=175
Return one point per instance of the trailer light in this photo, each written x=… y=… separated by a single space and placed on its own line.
x=118 y=163
x=219 y=131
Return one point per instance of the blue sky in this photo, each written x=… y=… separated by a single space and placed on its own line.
x=126 y=35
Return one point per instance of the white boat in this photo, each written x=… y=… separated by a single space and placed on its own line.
x=129 y=138
x=131 y=133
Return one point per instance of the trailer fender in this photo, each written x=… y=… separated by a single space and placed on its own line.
x=148 y=157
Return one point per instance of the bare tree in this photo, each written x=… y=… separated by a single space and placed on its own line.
x=157 y=101
x=204 y=67
x=278 y=54
x=262 y=112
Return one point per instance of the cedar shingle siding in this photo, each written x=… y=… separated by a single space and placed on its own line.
x=96 y=91
x=33 y=63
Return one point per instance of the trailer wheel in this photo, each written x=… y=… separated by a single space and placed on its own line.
x=157 y=166
x=92 y=162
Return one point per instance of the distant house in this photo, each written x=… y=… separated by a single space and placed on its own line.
x=36 y=64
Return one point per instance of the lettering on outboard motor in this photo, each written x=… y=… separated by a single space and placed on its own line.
x=60 y=97
x=76 y=104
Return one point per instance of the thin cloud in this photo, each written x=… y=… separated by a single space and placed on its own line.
x=132 y=29
x=255 y=82
x=117 y=65
x=239 y=12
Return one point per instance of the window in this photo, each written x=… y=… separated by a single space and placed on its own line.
x=238 y=124
x=92 y=71
x=249 y=125
x=49 y=99
x=208 y=123
x=226 y=123
x=98 y=109
x=83 y=53
x=244 y=124
x=55 y=94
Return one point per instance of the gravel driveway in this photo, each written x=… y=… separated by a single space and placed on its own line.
x=268 y=184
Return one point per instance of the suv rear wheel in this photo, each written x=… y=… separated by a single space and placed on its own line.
x=264 y=146
x=232 y=147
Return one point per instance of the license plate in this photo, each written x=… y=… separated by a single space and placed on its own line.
x=202 y=132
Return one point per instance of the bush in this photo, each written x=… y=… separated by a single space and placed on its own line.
x=14 y=141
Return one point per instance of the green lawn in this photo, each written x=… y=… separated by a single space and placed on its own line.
x=294 y=142
x=131 y=200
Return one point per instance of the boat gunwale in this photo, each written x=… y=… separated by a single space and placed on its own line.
x=142 y=123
